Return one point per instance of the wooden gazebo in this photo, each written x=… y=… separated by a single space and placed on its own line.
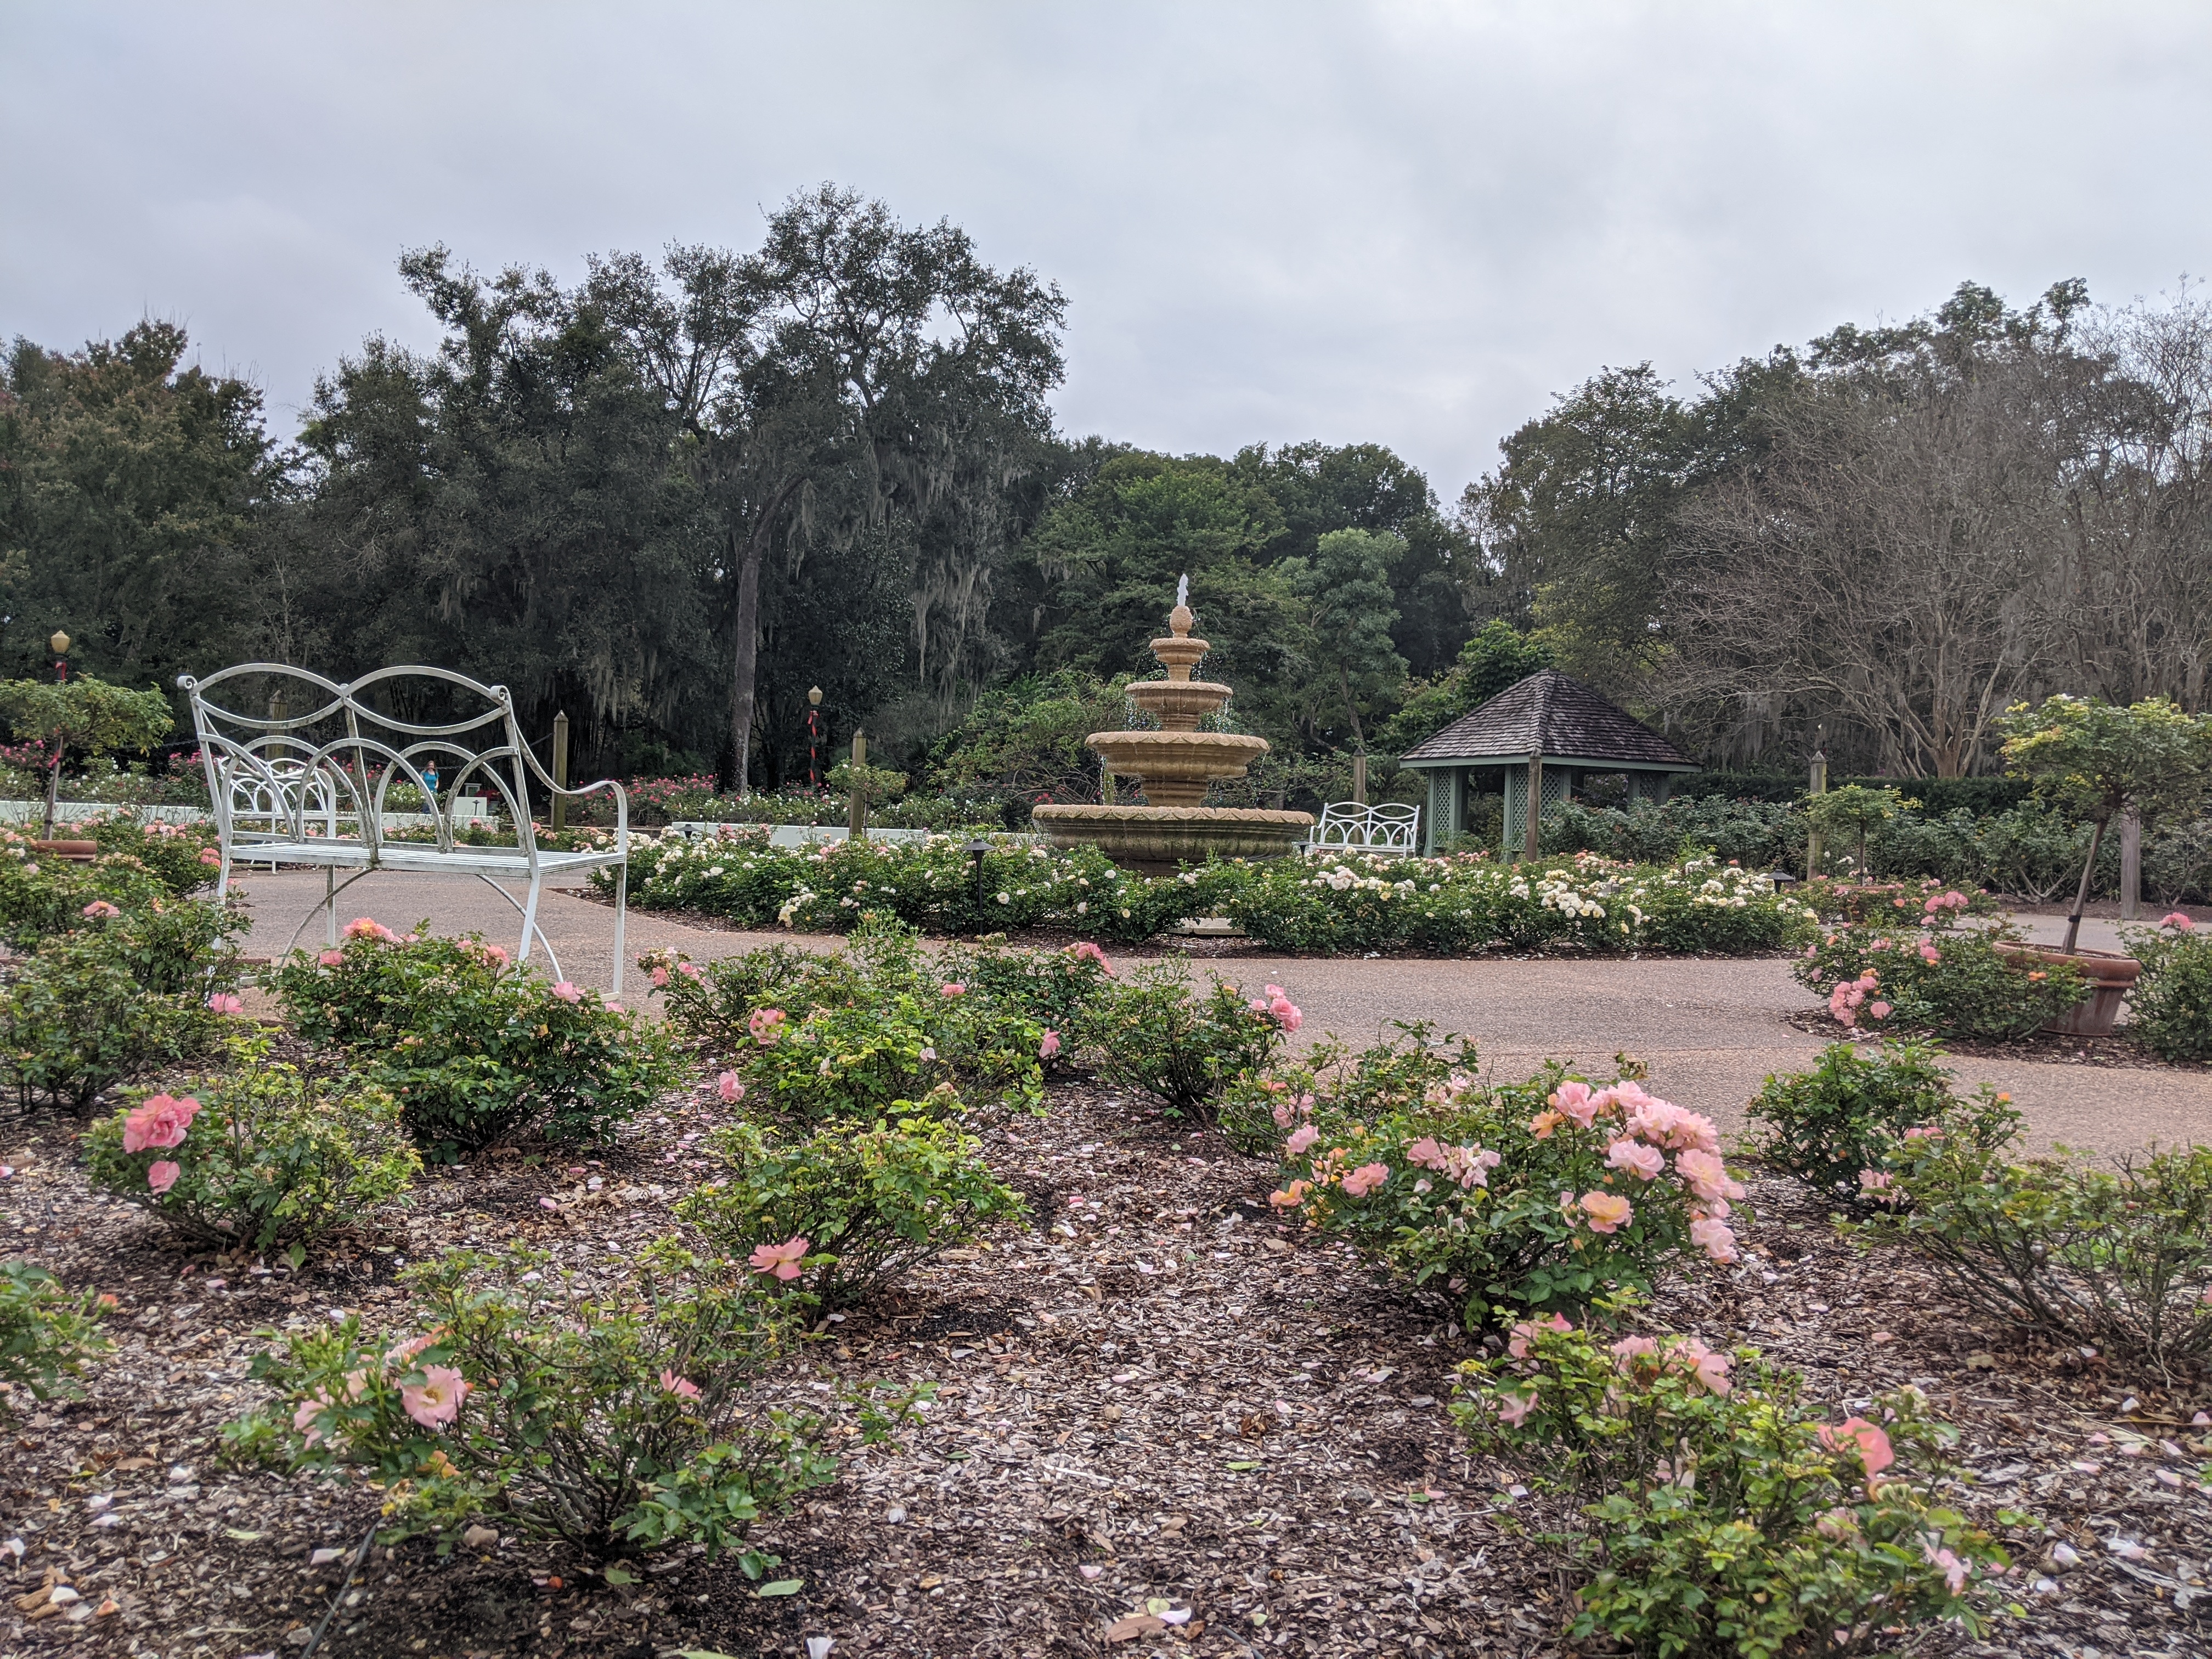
x=1546 y=733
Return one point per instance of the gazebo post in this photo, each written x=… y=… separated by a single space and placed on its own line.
x=1530 y=844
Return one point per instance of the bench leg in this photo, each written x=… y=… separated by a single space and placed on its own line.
x=621 y=900
x=530 y=925
x=330 y=905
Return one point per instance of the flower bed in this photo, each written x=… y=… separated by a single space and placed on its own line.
x=1451 y=906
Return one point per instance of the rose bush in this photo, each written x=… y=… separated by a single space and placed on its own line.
x=844 y=1213
x=1833 y=1128
x=46 y=1333
x=1726 y=1517
x=2170 y=1006
x=2118 y=1254
x=262 y=1156
x=182 y=857
x=1544 y=1195
x=473 y=1048
x=1153 y=1033
x=616 y=1422
x=75 y=1020
x=1929 y=974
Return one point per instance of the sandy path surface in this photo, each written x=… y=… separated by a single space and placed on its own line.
x=1711 y=1031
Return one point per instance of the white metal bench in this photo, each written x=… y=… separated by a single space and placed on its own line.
x=1351 y=826
x=310 y=787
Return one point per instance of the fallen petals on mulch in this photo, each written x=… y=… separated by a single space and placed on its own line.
x=1167 y=1424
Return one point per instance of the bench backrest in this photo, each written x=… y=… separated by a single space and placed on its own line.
x=322 y=758
x=1349 y=826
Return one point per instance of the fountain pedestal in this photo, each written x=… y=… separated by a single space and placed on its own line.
x=1176 y=764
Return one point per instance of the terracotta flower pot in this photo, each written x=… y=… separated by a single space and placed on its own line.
x=81 y=852
x=2110 y=974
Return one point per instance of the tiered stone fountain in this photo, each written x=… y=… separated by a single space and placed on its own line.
x=1176 y=764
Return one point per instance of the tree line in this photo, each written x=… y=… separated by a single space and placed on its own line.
x=674 y=497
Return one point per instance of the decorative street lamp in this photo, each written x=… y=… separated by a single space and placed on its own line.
x=814 y=739
x=61 y=645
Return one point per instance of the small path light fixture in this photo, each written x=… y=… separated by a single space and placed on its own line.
x=975 y=850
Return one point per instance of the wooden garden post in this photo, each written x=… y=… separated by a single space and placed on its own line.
x=1530 y=845
x=856 y=810
x=560 y=769
x=2131 y=863
x=1359 y=777
x=1819 y=787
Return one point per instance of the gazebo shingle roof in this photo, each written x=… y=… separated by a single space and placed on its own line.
x=1557 y=715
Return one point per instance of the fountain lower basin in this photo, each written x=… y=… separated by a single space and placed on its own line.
x=1153 y=840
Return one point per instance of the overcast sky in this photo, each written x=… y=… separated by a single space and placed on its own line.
x=1405 y=224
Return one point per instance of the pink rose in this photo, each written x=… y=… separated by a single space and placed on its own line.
x=162 y=1175
x=659 y=976
x=1525 y=1333
x=1645 y=1163
x=1608 y=1212
x=766 y=1025
x=1716 y=1238
x=1514 y=1408
x=1365 y=1179
x=209 y=857
x=1049 y=1046
x=731 y=1090
x=1301 y=1137
x=158 y=1120
x=689 y=969
x=436 y=1399
x=2179 y=921
x=330 y=959
x=100 y=910
x=568 y=992
x=222 y=1002
x=1578 y=1101
x=952 y=990
x=683 y=1386
x=783 y=1259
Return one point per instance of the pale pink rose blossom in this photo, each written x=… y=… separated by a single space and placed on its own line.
x=100 y=910
x=1634 y=1347
x=330 y=959
x=1705 y=1174
x=689 y=969
x=436 y=1399
x=1711 y=1369
x=303 y=1420
x=209 y=857
x=681 y=1386
x=1524 y=1333
x=1514 y=1408
x=1608 y=1212
x=1646 y=1163
x=367 y=928
x=222 y=1002
x=731 y=1090
x=1579 y=1103
x=953 y=990
x=162 y=1175
x=660 y=977
x=766 y=1025
x=2179 y=921
x=1716 y=1238
x=1878 y=1009
x=1049 y=1046
x=1953 y=1570
x=1301 y=1137
x=568 y=992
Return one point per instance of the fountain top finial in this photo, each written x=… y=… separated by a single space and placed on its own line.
x=1180 y=619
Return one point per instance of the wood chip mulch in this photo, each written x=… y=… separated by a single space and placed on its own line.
x=1167 y=1424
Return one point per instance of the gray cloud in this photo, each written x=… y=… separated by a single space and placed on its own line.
x=1408 y=223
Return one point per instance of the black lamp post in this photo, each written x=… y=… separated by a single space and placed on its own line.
x=814 y=739
x=975 y=850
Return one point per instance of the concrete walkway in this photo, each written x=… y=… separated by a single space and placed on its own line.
x=1711 y=1031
